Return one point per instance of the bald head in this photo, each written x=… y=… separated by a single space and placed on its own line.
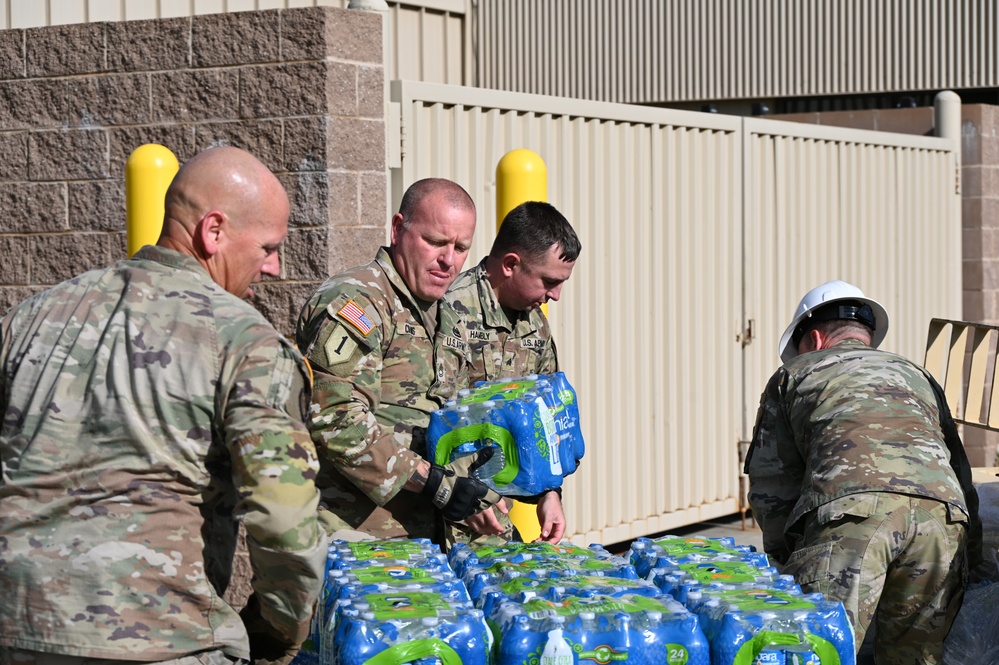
x=227 y=210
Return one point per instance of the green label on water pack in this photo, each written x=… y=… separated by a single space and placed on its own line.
x=683 y=546
x=497 y=391
x=390 y=574
x=722 y=571
x=385 y=549
x=539 y=608
x=414 y=605
x=758 y=600
x=537 y=550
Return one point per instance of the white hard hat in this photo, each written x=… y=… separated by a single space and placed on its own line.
x=825 y=294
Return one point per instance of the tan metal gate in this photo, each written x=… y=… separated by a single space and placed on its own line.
x=697 y=229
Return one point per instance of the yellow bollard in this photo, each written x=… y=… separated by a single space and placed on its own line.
x=148 y=173
x=521 y=175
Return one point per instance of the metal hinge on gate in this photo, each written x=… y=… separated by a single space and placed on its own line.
x=393 y=132
x=747 y=335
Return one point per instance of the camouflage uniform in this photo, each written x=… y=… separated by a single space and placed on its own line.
x=855 y=489
x=145 y=410
x=500 y=346
x=382 y=362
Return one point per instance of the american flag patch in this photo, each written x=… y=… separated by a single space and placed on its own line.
x=356 y=316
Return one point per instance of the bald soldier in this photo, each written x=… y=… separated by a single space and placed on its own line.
x=146 y=409
x=386 y=351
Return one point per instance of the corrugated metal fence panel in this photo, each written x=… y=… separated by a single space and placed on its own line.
x=427 y=40
x=649 y=51
x=872 y=208
x=647 y=325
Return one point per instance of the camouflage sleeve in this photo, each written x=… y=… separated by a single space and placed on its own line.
x=347 y=366
x=548 y=360
x=774 y=488
x=274 y=469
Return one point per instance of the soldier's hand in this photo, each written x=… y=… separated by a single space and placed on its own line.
x=456 y=491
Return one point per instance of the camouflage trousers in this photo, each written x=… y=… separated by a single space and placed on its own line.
x=896 y=560
x=9 y=656
x=460 y=533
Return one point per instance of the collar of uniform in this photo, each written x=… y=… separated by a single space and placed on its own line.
x=493 y=313
x=172 y=258
x=427 y=311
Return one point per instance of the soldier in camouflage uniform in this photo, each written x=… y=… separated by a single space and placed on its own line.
x=386 y=352
x=147 y=408
x=859 y=480
x=499 y=302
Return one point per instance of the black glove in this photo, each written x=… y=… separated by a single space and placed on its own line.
x=454 y=489
x=265 y=647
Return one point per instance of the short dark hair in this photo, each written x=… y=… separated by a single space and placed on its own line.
x=533 y=228
x=454 y=193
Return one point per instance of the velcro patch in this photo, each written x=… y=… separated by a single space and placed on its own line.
x=356 y=317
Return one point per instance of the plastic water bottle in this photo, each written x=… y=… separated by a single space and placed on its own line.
x=557 y=650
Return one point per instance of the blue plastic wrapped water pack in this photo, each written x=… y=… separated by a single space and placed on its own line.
x=406 y=627
x=670 y=551
x=531 y=422
x=750 y=626
x=602 y=629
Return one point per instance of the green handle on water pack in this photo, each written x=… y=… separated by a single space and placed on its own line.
x=748 y=652
x=407 y=652
x=480 y=432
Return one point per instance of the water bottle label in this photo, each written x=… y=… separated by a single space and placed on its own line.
x=377 y=574
x=386 y=550
x=550 y=436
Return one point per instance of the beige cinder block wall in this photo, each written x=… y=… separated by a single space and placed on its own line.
x=303 y=89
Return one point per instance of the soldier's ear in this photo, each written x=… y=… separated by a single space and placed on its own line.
x=509 y=263
x=209 y=231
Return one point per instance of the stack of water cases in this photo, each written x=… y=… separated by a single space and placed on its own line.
x=749 y=613
x=389 y=602
x=563 y=604
x=531 y=422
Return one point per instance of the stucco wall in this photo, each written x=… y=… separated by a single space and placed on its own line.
x=302 y=89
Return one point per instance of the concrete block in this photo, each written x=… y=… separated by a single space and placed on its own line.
x=326 y=32
x=68 y=155
x=311 y=202
x=14 y=268
x=374 y=201
x=371 y=92
x=99 y=101
x=61 y=50
x=261 y=138
x=140 y=46
x=304 y=254
x=195 y=95
x=98 y=205
x=357 y=145
x=32 y=207
x=34 y=104
x=11 y=54
x=296 y=89
x=306 y=144
x=353 y=246
x=13 y=156
x=58 y=257
x=235 y=38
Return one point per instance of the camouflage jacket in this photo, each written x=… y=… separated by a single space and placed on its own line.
x=378 y=376
x=144 y=411
x=840 y=421
x=500 y=345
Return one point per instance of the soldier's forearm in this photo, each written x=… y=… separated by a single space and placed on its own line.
x=418 y=480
